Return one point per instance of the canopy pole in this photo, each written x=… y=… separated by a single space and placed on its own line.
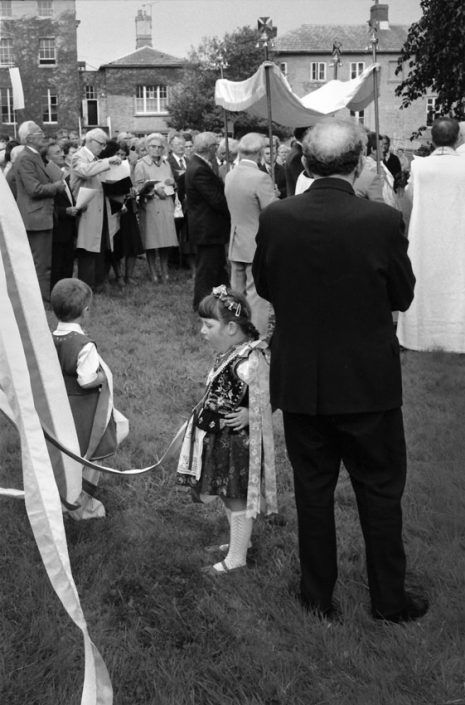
x=222 y=64
x=373 y=24
x=267 y=34
x=270 y=117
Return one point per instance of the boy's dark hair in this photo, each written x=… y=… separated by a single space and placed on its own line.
x=226 y=305
x=69 y=298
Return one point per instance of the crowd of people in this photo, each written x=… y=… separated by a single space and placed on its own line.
x=299 y=259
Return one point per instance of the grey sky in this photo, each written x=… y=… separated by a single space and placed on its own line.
x=107 y=27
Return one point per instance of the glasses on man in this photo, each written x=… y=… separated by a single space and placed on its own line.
x=102 y=144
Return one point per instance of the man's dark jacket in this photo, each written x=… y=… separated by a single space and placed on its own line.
x=293 y=168
x=208 y=214
x=334 y=266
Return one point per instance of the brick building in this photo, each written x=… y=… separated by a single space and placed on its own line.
x=131 y=93
x=39 y=37
x=305 y=56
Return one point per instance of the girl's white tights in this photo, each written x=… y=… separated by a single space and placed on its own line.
x=239 y=539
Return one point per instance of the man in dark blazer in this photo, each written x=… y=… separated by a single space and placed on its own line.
x=334 y=266
x=35 y=191
x=279 y=171
x=294 y=161
x=208 y=217
x=64 y=218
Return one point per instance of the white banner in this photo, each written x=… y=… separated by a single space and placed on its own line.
x=18 y=95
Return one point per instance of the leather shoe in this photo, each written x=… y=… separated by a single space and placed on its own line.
x=416 y=606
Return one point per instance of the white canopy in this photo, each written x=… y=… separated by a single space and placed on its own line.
x=286 y=107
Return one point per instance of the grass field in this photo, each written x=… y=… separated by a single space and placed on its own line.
x=171 y=636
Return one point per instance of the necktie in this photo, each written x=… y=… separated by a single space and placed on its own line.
x=182 y=163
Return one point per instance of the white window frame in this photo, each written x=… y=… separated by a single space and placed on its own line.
x=358 y=115
x=283 y=67
x=151 y=100
x=318 y=71
x=8 y=94
x=47 y=51
x=6 y=57
x=45 y=8
x=6 y=8
x=49 y=108
x=356 y=68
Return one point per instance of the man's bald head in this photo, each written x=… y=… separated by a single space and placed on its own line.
x=333 y=147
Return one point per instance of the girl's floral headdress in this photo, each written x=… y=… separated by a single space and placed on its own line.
x=221 y=293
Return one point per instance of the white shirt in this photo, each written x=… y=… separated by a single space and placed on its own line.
x=88 y=362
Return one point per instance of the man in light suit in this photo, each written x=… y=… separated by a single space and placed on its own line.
x=35 y=192
x=207 y=215
x=248 y=190
x=93 y=239
x=335 y=266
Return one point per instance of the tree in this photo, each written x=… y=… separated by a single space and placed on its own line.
x=434 y=52
x=193 y=100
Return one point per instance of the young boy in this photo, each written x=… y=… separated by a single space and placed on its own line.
x=88 y=380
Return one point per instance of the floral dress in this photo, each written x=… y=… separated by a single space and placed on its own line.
x=218 y=460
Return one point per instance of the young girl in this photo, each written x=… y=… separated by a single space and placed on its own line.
x=228 y=446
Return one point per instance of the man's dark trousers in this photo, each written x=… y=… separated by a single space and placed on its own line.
x=210 y=271
x=372 y=448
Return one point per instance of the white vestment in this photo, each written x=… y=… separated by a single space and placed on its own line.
x=436 y=318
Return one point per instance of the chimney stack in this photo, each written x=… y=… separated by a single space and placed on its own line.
x=143 y=29
x=379 y=14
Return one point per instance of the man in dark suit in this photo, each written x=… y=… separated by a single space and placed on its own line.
x=294 y=161
x=334 y=266
x=208 y=216
x=64 y=218
x=390 y=160
x=279 y=171
x=35 y=198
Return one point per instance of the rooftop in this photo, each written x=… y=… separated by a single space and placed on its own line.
x=312 y=39
x=146 y=57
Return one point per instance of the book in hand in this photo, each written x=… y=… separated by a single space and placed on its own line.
x=147 y=187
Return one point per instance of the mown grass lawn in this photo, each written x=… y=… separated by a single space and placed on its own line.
x=171 y=636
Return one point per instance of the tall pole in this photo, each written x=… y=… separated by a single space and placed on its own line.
x=336 y=54
x=373 y=24
x=222 y=64
x=267 y=33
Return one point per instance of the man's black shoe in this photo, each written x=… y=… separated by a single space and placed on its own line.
x=416 y=607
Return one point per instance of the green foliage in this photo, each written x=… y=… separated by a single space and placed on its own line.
x=170 y=635
x=193 y=100
x=434 y=54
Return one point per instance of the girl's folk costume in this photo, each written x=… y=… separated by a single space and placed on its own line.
x=215 y=459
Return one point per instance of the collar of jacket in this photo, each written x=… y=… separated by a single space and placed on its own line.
x=332 y=182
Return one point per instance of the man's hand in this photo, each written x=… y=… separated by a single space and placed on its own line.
x=72 y=211
x=60 y=186
x=237 y=420
x=115 y=160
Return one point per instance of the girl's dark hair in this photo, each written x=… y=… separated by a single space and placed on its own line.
x=226 y=305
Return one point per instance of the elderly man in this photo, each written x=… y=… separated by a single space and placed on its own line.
x=93 y=239
x=334 y=266
x=208 y=216
x=35 y=192
x=248 y=190
x=437 y=245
